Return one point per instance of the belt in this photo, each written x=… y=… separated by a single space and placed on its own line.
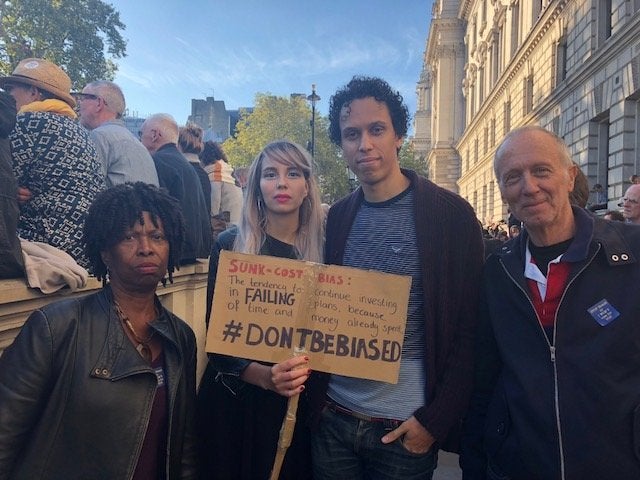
x=339 y=409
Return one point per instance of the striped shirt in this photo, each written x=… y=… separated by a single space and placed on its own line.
x=383 y=238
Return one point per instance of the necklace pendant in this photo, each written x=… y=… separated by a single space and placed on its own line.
x=144 y=351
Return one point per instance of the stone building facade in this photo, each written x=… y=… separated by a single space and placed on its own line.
x=213 y=117
x=571 y=66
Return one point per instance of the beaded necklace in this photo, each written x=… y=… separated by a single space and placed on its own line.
x=143 y=344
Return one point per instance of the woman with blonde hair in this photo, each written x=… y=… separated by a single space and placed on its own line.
x=241 y=403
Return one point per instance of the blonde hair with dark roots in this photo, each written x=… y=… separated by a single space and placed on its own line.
x=190 y=138
x=251 y=231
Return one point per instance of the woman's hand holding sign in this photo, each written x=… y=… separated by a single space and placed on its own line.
x=286 y=378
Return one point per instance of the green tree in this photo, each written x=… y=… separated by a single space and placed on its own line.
x=409 y=159
x=70 y=33
x=276 y=118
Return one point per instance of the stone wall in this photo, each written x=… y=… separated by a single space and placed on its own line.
x=186 y=297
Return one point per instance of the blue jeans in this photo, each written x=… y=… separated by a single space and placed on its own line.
x=348 y=448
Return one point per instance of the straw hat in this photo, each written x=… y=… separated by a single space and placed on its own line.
x=42 y=74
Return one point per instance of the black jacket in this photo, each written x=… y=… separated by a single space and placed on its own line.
x=75 y=396
x=11 y=264
x=570 y=410
x=181 y=181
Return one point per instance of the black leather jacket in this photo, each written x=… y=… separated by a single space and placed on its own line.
x=75 y=396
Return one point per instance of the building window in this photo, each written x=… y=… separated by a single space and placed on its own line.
x=599 y=155
x=604 y=20
x=555 y=125
x=492 y=188
x=527 y=92
x=493 y=131
x=480 y=86
x=495 y=58
x=472 y=102
x=486 y=139
x=560 y=60
x=637 y=145
x=474 y=36
x=536 y=10
x=507 y=116
x=484 y=203
x=515 y=28
x=475 y=151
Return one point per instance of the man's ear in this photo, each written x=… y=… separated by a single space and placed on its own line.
x=573 y=173
x=399 y=142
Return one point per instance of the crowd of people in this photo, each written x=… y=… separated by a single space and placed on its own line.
x=66 y=147
x=524 y=360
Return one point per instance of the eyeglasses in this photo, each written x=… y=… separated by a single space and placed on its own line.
x=151 y=131
x=80 y=97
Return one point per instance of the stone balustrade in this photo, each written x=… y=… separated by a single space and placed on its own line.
x=186 y=297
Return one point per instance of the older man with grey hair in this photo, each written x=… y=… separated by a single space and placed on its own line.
x=631 y=204
x=159 y=134
x=557 y=383
x=124 y=158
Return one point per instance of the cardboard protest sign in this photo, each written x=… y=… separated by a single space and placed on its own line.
x=351 y=322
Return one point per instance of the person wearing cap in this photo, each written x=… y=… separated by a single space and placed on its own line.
x=54 y=160
x=124 y=158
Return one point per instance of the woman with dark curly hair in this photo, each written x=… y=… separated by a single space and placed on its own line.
x=103 y=386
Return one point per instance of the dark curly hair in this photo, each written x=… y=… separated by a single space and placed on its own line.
x=118 y=208
x=211 y=153
x=363 y=87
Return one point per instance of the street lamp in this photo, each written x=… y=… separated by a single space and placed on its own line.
x=313 y=98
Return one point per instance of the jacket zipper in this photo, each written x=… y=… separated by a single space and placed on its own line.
x=552 y=348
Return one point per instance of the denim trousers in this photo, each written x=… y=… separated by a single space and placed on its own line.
x=345 y=447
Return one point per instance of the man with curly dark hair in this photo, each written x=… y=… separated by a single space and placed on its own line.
x=398 y=222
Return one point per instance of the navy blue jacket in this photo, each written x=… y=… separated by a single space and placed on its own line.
x=181 y=181
x=567 y=409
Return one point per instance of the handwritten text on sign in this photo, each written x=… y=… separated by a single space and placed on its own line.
x=351 y=321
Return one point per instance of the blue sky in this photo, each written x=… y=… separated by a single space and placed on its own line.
x=234 y=49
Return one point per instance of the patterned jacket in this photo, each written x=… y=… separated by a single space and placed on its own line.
x=55 y=159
